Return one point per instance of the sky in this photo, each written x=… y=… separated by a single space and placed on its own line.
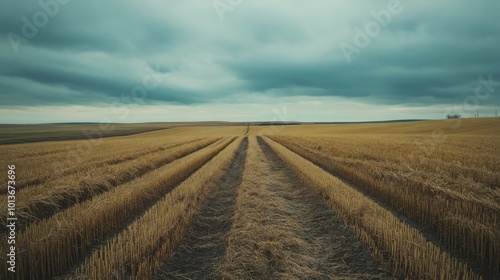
x=237 y=60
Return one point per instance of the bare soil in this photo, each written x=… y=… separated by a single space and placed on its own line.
x=202 y=250
x=263 y=223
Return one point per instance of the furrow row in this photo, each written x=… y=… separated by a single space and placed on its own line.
x=138 y=251
x=41 y=202
x=54 y=245
x=100 y=160
x=465 y=225
x=408 y=251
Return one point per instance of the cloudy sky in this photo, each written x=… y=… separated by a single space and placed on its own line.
x=233 y=60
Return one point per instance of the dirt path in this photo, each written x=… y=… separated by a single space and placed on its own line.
x=201 y=253
x=262 y=223
x=281 y=230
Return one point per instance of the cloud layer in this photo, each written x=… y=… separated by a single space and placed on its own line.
x=190 y=53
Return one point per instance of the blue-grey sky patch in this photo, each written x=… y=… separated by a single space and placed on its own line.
x=180 y=54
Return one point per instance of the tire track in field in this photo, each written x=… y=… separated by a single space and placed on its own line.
x=200 y=254
x=81 y=228
x=359 y=185
x=282 y=230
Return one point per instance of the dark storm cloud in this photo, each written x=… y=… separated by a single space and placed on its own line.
x=91 y=52
x=111 y=26
x=424 y=60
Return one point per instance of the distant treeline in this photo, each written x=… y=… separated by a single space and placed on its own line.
x=389 y=121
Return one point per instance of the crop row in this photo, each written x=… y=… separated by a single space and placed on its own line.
x=139 y=250
x=38 y=169
x=42 y=201
x=53 y=245
x=465 y=221
x=44 y=160
x=410 y=254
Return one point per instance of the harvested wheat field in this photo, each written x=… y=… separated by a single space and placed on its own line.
x=416 y=200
